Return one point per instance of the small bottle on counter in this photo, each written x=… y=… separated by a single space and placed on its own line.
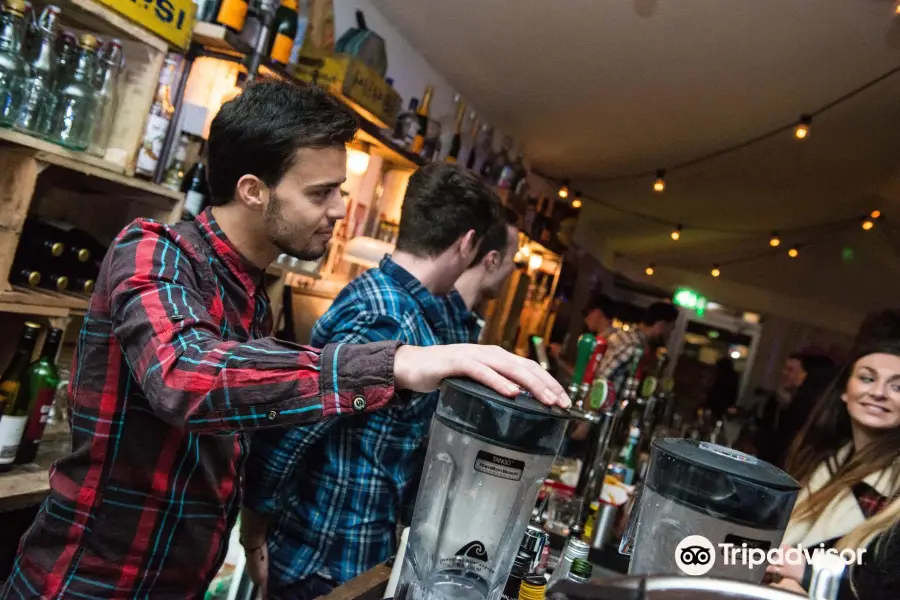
x=574 y=550
x=533 y=588
x=581 y=571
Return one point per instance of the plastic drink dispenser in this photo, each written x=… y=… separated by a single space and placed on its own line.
x=487 y=458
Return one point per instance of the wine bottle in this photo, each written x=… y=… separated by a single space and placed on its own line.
x=36 y=397
x=285 y=30
x=54 y=281
x=422 y=113
x=158 y=122
x=228 y=13
x=196 y=191
x=12 y=424
x=455 y=144
x=25 y=276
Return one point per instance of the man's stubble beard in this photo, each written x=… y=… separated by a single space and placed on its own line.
x=275 y=225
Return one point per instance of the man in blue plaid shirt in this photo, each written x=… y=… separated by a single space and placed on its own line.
x=327 y=498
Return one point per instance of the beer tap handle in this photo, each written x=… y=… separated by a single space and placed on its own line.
x=585 y=348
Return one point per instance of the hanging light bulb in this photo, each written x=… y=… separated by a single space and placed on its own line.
x=715 y=271
x=802 y=130
x=649 y=270
x=793 y=252
x=660 y=184
x=775 y=241
x=564 y=189
x=676 y=233
x=576 y=202
x=875 y=214
x=868 y=224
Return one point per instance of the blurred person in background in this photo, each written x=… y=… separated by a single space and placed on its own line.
x=847 y=460
x=724 y=390
x=596 y=317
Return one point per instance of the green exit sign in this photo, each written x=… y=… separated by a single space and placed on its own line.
x=689 y=299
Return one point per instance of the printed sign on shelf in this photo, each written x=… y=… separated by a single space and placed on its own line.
x=172 y=20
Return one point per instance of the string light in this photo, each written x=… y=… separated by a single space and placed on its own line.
x=775 y=241
x=875 y=214
x=802 y=130
x=649 y=270
x=868 y=224
x=715 y=271
x=576 y=202
x=564 y=189
x=676 y=233
x=660 y=184
x=793 y=252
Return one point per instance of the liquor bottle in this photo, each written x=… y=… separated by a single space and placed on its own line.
x=285 y=30
x=473 y=146
x=228 y=13
x=12 y=67
x=581 y=571
x=196 y=190
x=574 y=549
x=175 y=173
x=39 y=73
x=54 y=281
x=12 y=425
x=158 y=121
x=407 y=125
x=418 y=142
x=83 y=285
x=36 y=397
x=521 y=566
x=456 y=142
x=533 y=588
x=25 y=276
x=73 y=120
x=110 y=62
x=627 y=460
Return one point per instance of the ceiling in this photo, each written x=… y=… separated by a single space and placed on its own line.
x=596 y=90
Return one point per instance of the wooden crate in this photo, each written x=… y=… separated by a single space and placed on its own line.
x=144 y=54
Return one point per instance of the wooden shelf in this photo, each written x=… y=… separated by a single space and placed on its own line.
x=39 y=302
x=96 y=17
x=84 y=163
x=27 y=485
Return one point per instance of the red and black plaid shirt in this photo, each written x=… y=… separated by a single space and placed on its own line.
x=171 y=363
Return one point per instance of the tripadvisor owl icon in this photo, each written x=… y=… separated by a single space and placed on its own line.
x=695 y=555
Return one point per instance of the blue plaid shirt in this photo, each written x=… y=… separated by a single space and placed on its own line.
x=334 y=491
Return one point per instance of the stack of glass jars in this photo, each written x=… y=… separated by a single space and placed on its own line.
x=54 y=85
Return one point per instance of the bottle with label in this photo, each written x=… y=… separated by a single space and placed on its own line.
x=175 y=173
x=73 y=121
x=285 y=30
x=627 y=462
x=196 y=190
x=574 y=549
x=12 y=425
x=12 y=67
x=521 y=567
x=456 y=142
x=36 y=397
x=158 y=121
x=418 y=143
x=581 y=571
x=39 y=73
x=110 y=62
x=228 y=13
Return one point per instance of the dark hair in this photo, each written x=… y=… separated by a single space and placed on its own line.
x=497 y=235
x=443 y=201
x=259 y=132
x=878 y=326
x=813 y=363
x=660 y=311
x=603 y=303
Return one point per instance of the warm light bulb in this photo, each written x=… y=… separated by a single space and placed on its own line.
x=867 y=225
x=576 y=203
x=676 y=233
x=793 y=252
x=715 y=271
x=564 y=190
x=875 y=214
x=660 y=184
x=526 y=250
x=535 y=262
x=802 y=130
x=357 y=162
x=649 y=270
x=775 y=241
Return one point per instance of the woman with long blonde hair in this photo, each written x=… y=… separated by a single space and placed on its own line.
x=847 y=460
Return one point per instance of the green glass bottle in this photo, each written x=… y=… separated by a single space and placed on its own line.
x=36 y=395
x=12 y=424
x=73 y=122
x=12 y=67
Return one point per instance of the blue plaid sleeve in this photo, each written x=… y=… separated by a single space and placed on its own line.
x=276 y=453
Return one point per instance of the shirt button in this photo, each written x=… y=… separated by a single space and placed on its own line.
x=272 y=414
x=359 y=403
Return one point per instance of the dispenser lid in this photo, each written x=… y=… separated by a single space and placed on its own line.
x=729 y=461
x=524 y=402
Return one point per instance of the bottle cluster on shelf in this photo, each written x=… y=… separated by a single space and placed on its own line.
x=283 y=37
x=27 y=390
x=56 y=256
x=53 y=84
x=193 y=181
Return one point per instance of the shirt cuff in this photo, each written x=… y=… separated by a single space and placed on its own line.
x=357 y=378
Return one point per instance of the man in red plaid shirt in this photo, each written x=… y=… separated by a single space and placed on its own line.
x=176 y=360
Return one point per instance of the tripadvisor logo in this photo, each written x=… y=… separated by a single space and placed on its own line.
x=695 y=555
